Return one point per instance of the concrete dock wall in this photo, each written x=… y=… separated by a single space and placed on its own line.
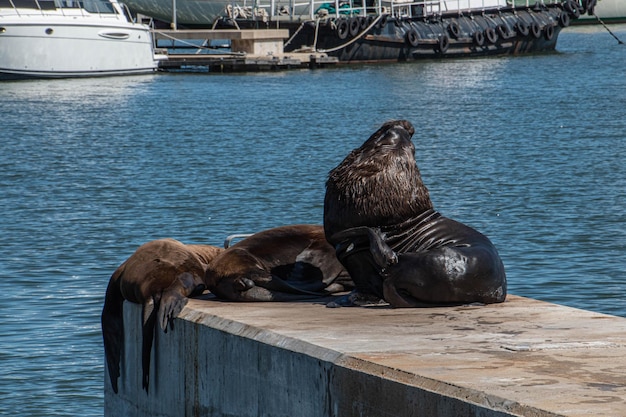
x=520 y=358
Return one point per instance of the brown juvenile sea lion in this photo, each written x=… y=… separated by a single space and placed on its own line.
x=160 y=275
x=379 y=216
x=280 y=264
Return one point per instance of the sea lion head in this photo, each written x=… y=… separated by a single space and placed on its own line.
x=378 y=183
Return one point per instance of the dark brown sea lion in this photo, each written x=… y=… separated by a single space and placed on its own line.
x=379 y=216
x=280 y=264
x=160 y=275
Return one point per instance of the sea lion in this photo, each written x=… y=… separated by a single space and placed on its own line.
x=160 y=275
x=379 y=216
x=281 y=264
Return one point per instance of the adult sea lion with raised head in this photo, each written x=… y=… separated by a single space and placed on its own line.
x=379 y=216
x=284 y=263
x=160 y=276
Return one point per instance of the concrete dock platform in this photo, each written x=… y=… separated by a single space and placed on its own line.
x=251 y=50
x=520 y=358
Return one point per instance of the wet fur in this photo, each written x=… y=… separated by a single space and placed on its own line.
x=377 y=184
x=160 y=275
x=280 y=264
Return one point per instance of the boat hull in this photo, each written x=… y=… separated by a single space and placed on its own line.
x=56 y=48
x=396 y=39
x=203 y=13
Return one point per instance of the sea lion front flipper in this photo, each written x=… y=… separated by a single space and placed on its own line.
x=350 y=239
x=172 y=303
x=381 y=252
x=149 y=315
x=174 y=298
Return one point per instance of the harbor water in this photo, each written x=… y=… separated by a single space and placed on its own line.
x=529 y=150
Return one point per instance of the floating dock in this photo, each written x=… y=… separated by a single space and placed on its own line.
x=519 y=358
x=251 y=50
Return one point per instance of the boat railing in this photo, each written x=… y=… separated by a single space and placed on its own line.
x=102 y=8
x=400 y=8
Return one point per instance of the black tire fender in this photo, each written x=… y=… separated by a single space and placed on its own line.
x=503 y=31
x=342 y=29
x=522 y=28
x=443 y=44
x=535 y=29
x=479 y=38
x=412 y=37
x=363 y=22
x=454 y=29
x=548 y=32
x=572 y=8
x=354 y=26
x=491 y=35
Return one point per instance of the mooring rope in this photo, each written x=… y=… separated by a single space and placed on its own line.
x=317 y=29
x=182 y=41
x=356 y=38
x=607 y=28
x=294 y=35
x=192 y=44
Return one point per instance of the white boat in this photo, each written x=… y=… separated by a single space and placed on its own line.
x=610 y=11
x=69 y=38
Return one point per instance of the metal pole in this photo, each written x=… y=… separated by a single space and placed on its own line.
x=174 y=23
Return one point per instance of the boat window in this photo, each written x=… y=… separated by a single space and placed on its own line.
x=98 y=6
x=26 y=4
x=67 y=3
x=5 y=3
x=46 y=4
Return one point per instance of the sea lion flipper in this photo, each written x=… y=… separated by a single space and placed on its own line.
x=112 y=321
x=113 y=331
x=149 y=314
x=172 y=303
x=355 y=298
x=356 y=237
x=174 y=299
x=382 y=253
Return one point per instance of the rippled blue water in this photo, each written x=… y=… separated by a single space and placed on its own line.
x=530 y=150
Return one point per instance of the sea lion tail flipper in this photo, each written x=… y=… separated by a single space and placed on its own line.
x=355 y=299
x=112 y=321
x=149 y=316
